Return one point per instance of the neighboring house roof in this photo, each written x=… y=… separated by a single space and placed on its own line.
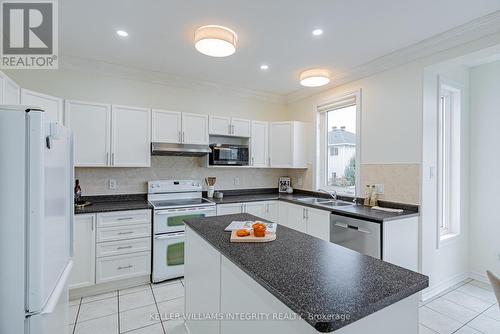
x=340 y=136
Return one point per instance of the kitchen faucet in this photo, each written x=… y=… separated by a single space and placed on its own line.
x=333 y=194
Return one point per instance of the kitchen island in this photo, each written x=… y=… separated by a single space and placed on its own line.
x=295 y=284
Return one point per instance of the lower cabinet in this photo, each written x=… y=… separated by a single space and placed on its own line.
x=111 y=246
x=267 y=210
x=83 y=272
x=312 y=221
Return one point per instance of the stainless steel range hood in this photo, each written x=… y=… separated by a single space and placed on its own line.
x=189 y=150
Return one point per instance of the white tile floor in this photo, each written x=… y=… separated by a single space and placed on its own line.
x=146 y=309
x=468 y=308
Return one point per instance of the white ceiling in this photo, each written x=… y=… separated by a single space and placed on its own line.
x=275 y=32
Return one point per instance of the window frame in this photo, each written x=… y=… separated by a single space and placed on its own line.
x=449 y=215
x=320 y=160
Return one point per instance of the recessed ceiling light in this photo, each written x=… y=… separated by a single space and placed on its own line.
x=122 y=33
x=317 y=32
x=215 y=41
x=314 y=77
x=264 y=67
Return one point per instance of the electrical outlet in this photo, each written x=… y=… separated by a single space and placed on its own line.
x=379 y=188
x=112 y=184
x=236 y=181
x=300 y=181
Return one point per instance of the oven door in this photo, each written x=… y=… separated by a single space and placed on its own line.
x=172 y=220
x=168 y=256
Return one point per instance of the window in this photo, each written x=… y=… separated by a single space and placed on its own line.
x=338 y=153
x=448 y=176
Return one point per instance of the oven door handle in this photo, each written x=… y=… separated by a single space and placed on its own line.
x=169 y=236
x=166 y=212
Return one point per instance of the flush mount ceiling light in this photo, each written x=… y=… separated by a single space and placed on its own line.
x=314 y=77
x=317 y=32
x=264 y=67
x=122 y=33
x=215 y=41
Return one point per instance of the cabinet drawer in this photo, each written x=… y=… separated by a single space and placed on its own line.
x=123 y=218
x=123 y=247
x=123 y=232
x=117 y=267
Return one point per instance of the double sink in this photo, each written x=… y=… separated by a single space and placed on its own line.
x=324 y=202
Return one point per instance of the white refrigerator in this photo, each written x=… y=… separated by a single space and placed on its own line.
x=36 y=222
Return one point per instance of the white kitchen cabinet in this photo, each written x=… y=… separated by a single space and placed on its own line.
x=166 y=126
x=318 y=223
x=226 y=126
x=229 y=209
x=131 y=136
x=273 y=211
x=179 y=128
x=258 y=209
x=10 y=92
x=259 y=144
x=91 y=125
x=304 y=219
x=51 y=105
x=194 y=129
x=288 y=144
x=400 y=242
x=83 y=272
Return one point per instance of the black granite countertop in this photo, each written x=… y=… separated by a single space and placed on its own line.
x=109 y=203
x=353 y=211
x=314 y=277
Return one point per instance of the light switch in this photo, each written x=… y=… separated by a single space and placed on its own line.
x=379 y=188
x=112 y=184
x=236 y=181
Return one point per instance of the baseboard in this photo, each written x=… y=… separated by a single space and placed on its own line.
x=108 y=287
x=479 y=277
x=441 y=287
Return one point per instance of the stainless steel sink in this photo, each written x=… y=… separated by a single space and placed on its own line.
x=323 y=201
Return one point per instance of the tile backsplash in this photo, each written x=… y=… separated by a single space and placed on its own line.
x=95 y=181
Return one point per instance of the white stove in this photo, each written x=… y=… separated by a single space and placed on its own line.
x=174 y=201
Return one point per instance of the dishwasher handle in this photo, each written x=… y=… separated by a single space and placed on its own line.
x=352 y=227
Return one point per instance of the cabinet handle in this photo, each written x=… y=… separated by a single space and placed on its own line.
x=113 y=158
x=125 y=218
x=180 y=137
x=107 y=158
x=124 y=247
x=303 y=213
x=122 y=233
x=126 y=267
x=183 y=136
x=92 y=226
x=307 y=213
x=229 y=128
x=269 y=160
x=232 y=126
x=252 y=161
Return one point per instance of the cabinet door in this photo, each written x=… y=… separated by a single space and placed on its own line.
x=318 y=223
x=166 y=126
x=259 y=144
x=91 y=125
x=53 y=106
x=240 y=127
x=229 y=209
x=11 y=92
x=220 y=125
x=273 y=211
x=258 y=209
x=194 y=129
x=296 y=217
x=83 y=272
x=131 y=139
x=280 y=144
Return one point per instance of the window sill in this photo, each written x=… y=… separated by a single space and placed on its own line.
x=448 y=238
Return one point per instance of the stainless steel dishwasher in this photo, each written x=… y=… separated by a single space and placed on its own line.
x=356 y=234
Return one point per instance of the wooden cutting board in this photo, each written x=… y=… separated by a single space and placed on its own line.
x=251 y=238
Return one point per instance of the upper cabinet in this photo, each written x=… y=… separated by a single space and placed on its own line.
x=177 y=127
x=91 y=125
x=131 y=136
x=10 y=92
x=53 y=106
x=108 y=135
x=259 y=144
x=287 y=145
x=226 y=126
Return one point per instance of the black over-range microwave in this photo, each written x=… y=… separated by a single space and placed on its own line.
x=228 y=154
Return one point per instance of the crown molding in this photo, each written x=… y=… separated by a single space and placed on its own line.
x=468 y=32
x=76 y=63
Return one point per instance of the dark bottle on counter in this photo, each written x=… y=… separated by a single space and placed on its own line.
x=78 y=191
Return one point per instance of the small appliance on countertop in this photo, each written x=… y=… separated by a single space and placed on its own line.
x=174 y=201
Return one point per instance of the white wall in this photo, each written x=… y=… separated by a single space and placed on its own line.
x=445 y=264
x=485 y=162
